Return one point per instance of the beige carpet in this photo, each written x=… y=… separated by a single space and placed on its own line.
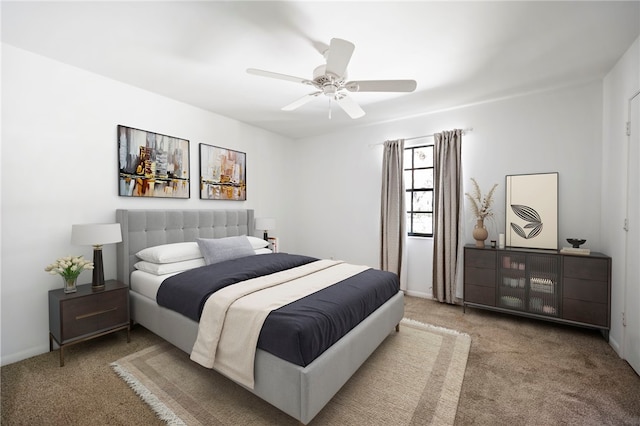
x=413 y=378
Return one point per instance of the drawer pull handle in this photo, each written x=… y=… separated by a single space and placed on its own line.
x=93 y=314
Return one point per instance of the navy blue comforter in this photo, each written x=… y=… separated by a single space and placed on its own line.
x=300 y=331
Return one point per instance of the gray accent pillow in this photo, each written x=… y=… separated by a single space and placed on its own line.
x=216 y=250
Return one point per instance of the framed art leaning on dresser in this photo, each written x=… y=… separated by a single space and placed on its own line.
x=532 y=211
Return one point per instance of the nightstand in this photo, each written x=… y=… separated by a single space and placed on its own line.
x=86 y=314
x=274 y=244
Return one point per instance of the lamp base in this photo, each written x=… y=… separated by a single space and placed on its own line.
x=97 y=283
x=266 y=236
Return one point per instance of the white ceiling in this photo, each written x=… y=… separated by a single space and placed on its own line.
x=458 y=52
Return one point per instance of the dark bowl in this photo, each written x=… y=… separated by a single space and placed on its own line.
x=576 y=242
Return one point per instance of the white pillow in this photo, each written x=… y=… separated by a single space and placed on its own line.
x=263 y=251
x=169 y=268
x=220 y=249
x=257 y=243
x=169 y=253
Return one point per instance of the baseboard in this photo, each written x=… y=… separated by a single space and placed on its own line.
x=11 y=358
x=616 y=346
x=419 y=294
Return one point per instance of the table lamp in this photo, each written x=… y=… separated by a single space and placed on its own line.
x=266 y=224
x=96 y=235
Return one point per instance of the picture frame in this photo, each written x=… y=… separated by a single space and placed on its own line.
x=532 y=210
x=152 y=165
x=223 y=173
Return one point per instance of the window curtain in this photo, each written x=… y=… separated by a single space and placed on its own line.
x=447 y=214
x=393 y=212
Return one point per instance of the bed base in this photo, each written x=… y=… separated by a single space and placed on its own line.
x=301 y=392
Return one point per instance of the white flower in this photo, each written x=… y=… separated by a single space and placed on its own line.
x=69 y=267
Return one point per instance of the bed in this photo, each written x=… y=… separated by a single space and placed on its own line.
x=299 y=391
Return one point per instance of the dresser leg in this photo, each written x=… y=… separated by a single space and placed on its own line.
x=61 y=356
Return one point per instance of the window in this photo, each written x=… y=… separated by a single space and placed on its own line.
x=418 y=181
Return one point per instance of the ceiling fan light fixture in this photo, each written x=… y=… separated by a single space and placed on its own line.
x=330 y=79
x=330 y=89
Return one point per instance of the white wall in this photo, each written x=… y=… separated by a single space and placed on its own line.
x=553 y=131
x=622 y=82
x=59 y=167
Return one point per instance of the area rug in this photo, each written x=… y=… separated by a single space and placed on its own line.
x=413 y=378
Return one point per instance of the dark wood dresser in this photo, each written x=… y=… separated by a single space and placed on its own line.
x=544 y=284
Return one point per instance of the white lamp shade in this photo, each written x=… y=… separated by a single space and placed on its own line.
x=265 y=223
x=96 y=234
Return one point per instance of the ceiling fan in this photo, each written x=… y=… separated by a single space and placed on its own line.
x=331 y=80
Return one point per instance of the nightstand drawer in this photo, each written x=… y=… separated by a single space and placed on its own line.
x=88 y=315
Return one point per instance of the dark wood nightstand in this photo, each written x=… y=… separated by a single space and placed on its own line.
x=86 y=314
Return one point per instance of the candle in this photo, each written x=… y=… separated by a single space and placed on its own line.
x=501 y=240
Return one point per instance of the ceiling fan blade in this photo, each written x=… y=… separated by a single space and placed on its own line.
x=303 y=100
x=381 y=86
x=338 y=56
x=349 y=105
x=278 y=76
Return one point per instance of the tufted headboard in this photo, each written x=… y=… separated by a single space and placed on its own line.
x=148 y=228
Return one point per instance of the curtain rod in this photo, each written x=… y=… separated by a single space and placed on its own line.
x=468 y=129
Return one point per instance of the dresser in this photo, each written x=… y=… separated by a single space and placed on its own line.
x=544 y=284
x=87 y=314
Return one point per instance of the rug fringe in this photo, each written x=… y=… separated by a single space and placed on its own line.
x=162 y=411
x=432 y=327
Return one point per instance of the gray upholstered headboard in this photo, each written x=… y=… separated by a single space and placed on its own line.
x=148 y=228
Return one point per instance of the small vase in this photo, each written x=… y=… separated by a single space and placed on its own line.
x=69 y=285
x=480 y=233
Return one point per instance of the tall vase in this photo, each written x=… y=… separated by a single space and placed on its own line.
x=480 y=233
x=70 y=284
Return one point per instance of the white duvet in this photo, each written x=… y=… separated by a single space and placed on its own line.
x=233 y=316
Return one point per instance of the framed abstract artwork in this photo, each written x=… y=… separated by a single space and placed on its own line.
x=152 y=165
x=532 y=211
x=223 y=173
